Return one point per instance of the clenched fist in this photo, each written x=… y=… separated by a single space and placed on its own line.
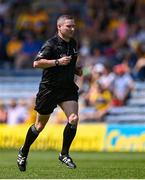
x=64 y=60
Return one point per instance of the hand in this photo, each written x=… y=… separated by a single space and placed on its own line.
x=64 y=60
x=79 y=71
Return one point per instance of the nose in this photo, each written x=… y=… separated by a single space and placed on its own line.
x=72 y=28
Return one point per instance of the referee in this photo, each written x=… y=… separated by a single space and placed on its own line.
x=57 y=58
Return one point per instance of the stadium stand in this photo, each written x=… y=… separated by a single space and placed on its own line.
x=18 y=87
x=109 y=33
x=134 y=111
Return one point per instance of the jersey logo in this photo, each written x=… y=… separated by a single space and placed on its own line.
x=40 y=54
x=75 y=51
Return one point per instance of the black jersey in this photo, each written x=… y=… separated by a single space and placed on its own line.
x=58 y=76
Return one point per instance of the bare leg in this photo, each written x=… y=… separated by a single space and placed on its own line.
x=71 y=110
x=34 y=131
x=31 y=136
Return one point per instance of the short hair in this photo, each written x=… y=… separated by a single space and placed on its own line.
x=62 y=18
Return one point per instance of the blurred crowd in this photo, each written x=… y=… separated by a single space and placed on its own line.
x=111 y=41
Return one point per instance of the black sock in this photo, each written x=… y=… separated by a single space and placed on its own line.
x=68 y=136
x=32 y=134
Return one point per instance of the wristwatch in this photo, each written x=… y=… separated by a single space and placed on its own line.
x=57 y=62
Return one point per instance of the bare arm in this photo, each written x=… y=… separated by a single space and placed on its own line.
x=140 y=63
x=44 y=63
x=78 y=71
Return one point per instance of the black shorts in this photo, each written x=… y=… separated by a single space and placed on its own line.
x=47 y=99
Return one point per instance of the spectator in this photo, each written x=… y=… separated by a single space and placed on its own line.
x=24 y=20
x=100 y=101
x=4 y=7
x=40 y=20
x=31 y=113
x=3 y=113
x=139 y=69
x=29 y=50
x=4 y=39
x=13 y=48
x=122 y=85
x=16 y=113
x=105 y=75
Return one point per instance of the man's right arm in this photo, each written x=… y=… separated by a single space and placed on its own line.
x=45 y=63
x=42 y=59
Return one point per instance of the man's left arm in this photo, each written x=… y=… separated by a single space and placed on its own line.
x=78 y=71
x=78 y=68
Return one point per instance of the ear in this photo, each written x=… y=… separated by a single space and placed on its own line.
x=58 y=26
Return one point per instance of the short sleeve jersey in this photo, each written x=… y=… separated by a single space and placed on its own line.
x=55 y=48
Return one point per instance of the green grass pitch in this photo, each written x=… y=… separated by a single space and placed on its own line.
x=90 y=165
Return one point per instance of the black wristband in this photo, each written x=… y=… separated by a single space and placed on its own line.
x=57 y=62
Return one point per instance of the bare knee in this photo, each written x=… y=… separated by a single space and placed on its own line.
x=41 y=121
x=73 y=119
x=39 y=126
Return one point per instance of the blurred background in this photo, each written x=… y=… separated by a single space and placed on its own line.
x=111 y=42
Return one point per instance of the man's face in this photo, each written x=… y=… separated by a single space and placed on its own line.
x=67 y=28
